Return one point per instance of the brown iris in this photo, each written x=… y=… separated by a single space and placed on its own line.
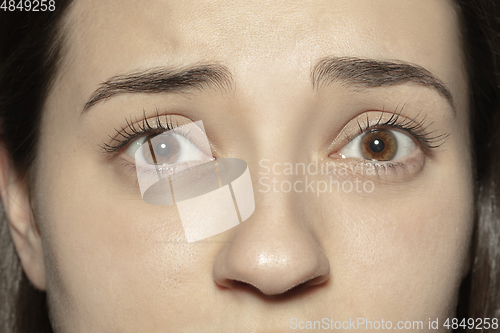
x=379 y=145
x=161 y=149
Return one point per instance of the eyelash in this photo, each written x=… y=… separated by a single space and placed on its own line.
x=137 y=129
x=427 y=140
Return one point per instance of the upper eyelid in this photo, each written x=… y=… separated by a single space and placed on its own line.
x=362 y=129
x=150 y=127
x=416 y=127
x=136 y=129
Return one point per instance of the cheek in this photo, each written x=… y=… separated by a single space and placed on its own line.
x=403 y=250
x=111 y=252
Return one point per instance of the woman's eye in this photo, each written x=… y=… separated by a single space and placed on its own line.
x=380 y=145
x=166 y=148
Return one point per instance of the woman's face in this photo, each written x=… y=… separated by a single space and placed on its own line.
x=381 y=235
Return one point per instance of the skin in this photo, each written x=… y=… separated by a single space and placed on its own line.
x=112 y=263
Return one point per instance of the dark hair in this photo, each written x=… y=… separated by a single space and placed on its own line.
x=31 y=47
x=480 y=291
x=30 y=50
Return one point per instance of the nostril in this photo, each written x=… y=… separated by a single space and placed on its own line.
x=237 y=285
x=271 y=274
x=317 y=281
x=303 y=287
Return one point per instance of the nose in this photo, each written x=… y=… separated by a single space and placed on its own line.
x=272 y=256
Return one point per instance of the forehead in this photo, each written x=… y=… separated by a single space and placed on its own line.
x=112 y=37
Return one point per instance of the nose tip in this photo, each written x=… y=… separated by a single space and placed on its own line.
x=272 y=266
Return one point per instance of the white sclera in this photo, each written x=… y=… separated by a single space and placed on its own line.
x=193 y=151
x=406 y=146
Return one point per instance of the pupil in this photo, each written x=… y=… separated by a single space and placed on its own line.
x=377 y=146
x=162 y=149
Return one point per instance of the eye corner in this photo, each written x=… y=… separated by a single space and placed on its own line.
x=337 y=155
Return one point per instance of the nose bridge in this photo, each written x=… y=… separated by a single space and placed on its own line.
x=276 y=249
x=275 y=102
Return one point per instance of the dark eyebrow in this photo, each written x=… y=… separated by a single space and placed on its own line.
x=363 y=73
x=370 y=73
x=161 y=79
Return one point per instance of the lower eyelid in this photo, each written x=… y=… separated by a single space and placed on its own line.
x=383 y=172
x=128 y=171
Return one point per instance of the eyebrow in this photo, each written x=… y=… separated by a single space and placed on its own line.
x=370 y=73
x=351 y=71
x=163 y=80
